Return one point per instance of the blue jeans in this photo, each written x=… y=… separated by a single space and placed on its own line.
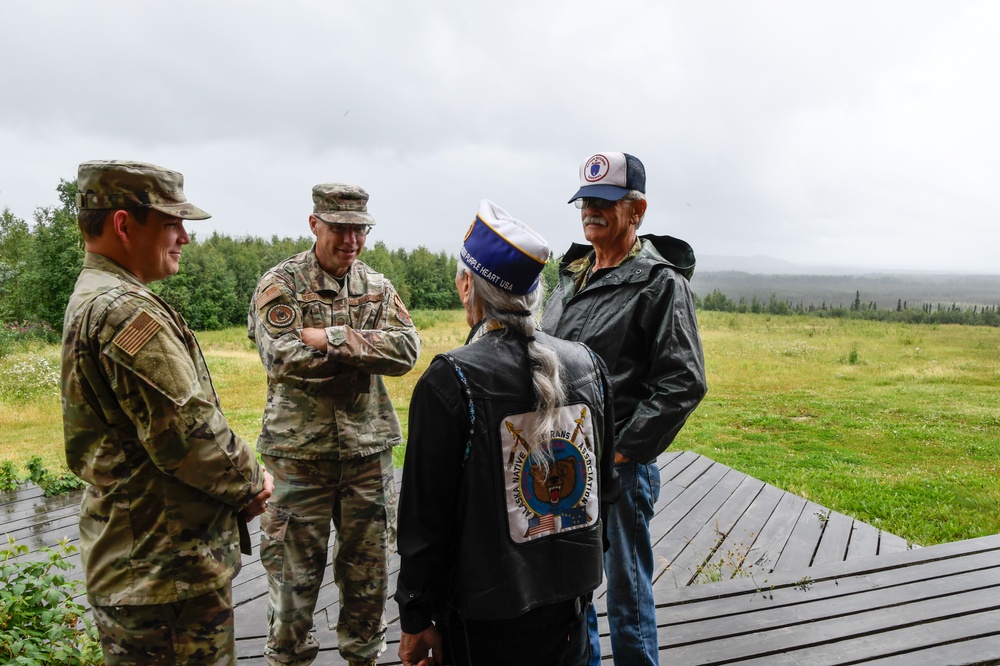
x=628 y=565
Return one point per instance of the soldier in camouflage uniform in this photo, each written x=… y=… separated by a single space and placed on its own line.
x=169 y=484
x=327 y=327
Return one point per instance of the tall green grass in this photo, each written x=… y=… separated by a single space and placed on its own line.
x=898 y=425
x=895 y=424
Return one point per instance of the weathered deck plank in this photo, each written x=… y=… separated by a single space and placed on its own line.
x=852 y=604
x=836 y=536
x=968 y=652
x=864 y=542
x=705 y=543
x=933 y=599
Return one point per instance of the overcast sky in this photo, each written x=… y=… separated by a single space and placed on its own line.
x=853 y=133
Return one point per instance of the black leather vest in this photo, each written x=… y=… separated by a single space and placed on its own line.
x=530 y=534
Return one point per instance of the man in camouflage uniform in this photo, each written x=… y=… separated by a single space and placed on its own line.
x=327 y=327
x=169 y=484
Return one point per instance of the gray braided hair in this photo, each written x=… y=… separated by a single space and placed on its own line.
x=504 y=307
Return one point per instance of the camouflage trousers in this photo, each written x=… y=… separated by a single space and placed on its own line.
x=359 y=497
x=195 y=631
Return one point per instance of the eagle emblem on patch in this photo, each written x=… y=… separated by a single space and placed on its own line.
x=280 y=315
x=139 y=331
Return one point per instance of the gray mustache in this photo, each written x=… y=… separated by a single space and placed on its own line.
x=593 y=219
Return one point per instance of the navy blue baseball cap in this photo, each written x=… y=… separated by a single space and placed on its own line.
x=610 y=176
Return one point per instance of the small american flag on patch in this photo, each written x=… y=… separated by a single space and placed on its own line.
x=541 y=524
x=137 y=333
x=269 y=295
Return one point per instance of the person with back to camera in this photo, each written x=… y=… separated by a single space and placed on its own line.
x=628 y=298
x=507 y=475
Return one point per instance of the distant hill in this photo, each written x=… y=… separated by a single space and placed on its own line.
x=761 y=264
x=886 y=289
x=774 y=266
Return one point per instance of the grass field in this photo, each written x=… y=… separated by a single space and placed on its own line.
x=898 y=425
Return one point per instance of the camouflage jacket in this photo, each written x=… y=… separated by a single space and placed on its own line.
x=144 y=429
x=333 y=404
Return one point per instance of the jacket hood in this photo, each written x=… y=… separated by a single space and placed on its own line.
x=675 y=252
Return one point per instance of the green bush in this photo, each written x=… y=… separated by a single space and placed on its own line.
x=52 y=484
x=14 y=334
x=39 y=621
x=8 y=476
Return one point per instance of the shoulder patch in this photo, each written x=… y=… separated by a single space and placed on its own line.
x=140 y=331
x=280 y=315
x=401 y=311
x=268 y=295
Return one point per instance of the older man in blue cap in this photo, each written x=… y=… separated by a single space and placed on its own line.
x=507 y=475
x=627 y=297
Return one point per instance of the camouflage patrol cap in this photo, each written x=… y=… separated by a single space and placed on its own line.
x=108 y=184
x=337 y=203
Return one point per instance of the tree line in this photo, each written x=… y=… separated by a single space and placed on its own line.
x=39 y=263
x=913 y=288
x=901 y=311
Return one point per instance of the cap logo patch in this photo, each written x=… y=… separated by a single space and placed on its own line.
x=596 y=169
x=280 y=315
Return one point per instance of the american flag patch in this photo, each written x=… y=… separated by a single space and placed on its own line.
x=137 y=333
x=269 y=295
x=541 y=524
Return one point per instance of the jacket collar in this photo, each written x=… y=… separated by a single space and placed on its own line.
x=320 y=280
x=482 y=328
x=582 y=268
x=102 y=263
x=663 y=250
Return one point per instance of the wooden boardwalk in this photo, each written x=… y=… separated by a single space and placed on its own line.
x=811 y=586
x=928 y=607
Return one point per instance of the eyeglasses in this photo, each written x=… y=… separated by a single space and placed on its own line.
x=359 y=230
x=590 y=202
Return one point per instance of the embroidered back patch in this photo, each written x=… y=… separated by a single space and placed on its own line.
x=558 y=495
x=140 y=331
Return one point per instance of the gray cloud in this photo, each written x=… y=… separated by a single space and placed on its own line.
x=850 y=133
